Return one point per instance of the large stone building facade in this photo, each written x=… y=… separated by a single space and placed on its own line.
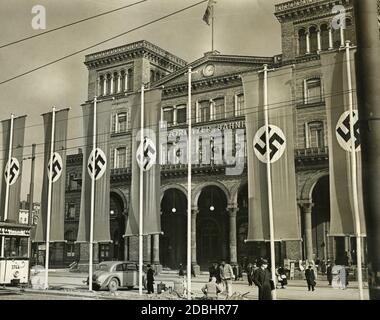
x=219 y=202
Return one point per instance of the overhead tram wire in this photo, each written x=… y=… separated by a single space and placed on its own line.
x=102 y=42
x=71 y=24
x=153 y=125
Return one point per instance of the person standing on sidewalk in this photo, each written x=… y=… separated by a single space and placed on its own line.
x=310 y=278
x=227 y=275
x=262 y=279
x=150 y=279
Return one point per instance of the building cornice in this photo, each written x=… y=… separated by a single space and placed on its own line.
x=131 y=51
x=303 y=9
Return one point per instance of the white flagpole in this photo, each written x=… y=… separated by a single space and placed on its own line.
x=8 y=177
x=92 y=213
x=269 y=179
x=141 y=220
x=189 y=188
x=354 y=175
x=50 y=176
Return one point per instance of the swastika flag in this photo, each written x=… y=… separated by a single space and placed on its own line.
x=342 y=214
x=149 y=164
x=98 y=163
x=281 y=156
x=57 y=218
x=14 y=178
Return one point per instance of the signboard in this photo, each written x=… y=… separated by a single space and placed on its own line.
x=23 y=216
x=6 y=231
x=292 y=268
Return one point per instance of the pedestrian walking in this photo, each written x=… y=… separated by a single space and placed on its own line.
x=212 y=289
x=227 y=275
x=250 y=274
x=213 y=271
x=329 y=272
x=262 y=280
x=192 y=271
x=150 y=279
x=310 y=278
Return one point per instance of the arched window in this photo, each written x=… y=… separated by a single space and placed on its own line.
x=168 y=115
x=204 y=110
x=122 y=80
x=349 y=30
x=301 y=41
x=152 y=79
x=115 y=77
x=101 y=85
x=130 y=80
x=313 y=39
x=158 y=76
x=324 y=37
x=108 y=84
x=181 y=113
x=336 y=38
x=314 y=134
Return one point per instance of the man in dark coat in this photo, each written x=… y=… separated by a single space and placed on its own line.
x=262 y=280
x=329 y=272
x=310 y=278
x=150 y=279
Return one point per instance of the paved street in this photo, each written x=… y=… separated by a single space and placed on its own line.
x=69 y=286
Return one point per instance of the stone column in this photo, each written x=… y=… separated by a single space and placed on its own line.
x=156 y=253
x=307 y=42
x=125 y=81
x=174 y=115
x=319 y=40
x=105 y=85
x=232 y=213
x=147 y=249
x=194 y=213
x=118 y=82
x=342 y=40
x=112 y=80
x=307 y=209
x=331 y=45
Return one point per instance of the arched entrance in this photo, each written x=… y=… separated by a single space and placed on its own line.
x=173 y=224
x=212 y=227
x=321 y=219
x=115 y=250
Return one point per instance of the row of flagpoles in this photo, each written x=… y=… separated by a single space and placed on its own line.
x=263 y=224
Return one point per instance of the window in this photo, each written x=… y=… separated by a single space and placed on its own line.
x=218 y=108
x=101 y=80
x=239 y=104
x=15 y=247
x=120 y=159
x=108 y=84
x=349 y=31
x=72 y=182
x=152 y=79
x=324 y=37
x=204 y=108
x=120 y=122
x=70 y=212
x=314 y=136
x=122 y=82
x=181 y=114
x=312 y=91
x=115 y=77
x=104 y=251
x=130 y=80
x=313 y=39
x=301 y=42
x=70 y=246
x=168 y=115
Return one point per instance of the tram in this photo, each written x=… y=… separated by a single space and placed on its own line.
x=14 y=255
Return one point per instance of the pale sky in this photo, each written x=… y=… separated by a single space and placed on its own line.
x=242 y=27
